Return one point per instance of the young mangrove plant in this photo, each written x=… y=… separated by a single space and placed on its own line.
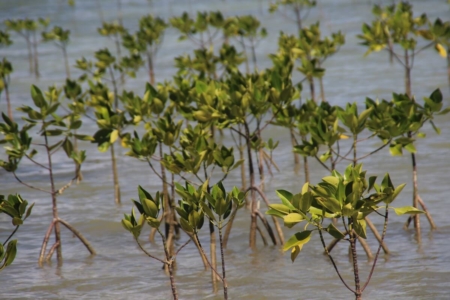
x=311 y=50
x=441 y=31
x=27 y=29
x=60 y=38
x=326 y=130
x=115 y=31
x=5 y=72
x=396 y=30
x=15 y=207
x=300 y=8
x=246 y=30
x=399 y=124
x=147 y=41
x=348 y=198
x=249 y=97
x=216 y=205
x=110 y=118
x=201 y=31
x=149 y=207
x=20 y=145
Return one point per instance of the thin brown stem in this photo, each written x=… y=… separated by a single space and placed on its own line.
x=332 y=262
x=378 y=251
x=267 y=226
x=377 y=235
x=117 y=196
x=148 y=254
x=365 y=247
x=51 y=251
x=203 y=251
x=252 y=239
x=353 y=238
x=30 y=186
x=170 y=267
x=54 y=203
x=275 y=220
x=261 y=233
x=225 y=284
x=79 y=236
x=10 y=236
x=427 y=213
x=45 y=242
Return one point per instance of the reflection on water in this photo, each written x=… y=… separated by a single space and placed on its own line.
x=121 y=271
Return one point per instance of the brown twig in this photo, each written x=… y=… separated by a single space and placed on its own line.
x=78 y=235
x=378 y=251
x=332 y=261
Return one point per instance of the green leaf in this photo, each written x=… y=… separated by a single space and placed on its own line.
x=207 y=211
x=150 y=208
x=276 y=213
x=395 y=149
x=143 y=194
x=332 y=180
x=411 y=148
x=291 y=219
x=280 y=208
x=52 y=132
x=437 y=129
x=17 y=221
x=397 y=191
x=298 y=239
x=68 y=147
x=127 y=225
x=407 y=210
x=75 y=124
x=200 y=87
x=286 y=198
x=334 y=232
x=185 y=225
x=113 y=136
x=28 y=211
x=11 y=251
x=360 y=228
x=372 y=180
x=153 y=222
x=295 y=252
x=37 y=96
x=84 y=137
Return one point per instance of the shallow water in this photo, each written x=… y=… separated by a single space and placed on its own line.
x=121 y=271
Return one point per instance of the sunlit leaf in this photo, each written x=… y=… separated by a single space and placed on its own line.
x=406 y=210
x=298 y=239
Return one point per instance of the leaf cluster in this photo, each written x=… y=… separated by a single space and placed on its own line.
x=337 y=196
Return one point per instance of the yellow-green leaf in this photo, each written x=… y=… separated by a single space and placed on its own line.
x=407 y=210
x=114 y=135
x=292 y=219
x=298 y=239
x=441 y=50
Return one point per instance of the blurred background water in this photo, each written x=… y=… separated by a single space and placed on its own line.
x=121 y=271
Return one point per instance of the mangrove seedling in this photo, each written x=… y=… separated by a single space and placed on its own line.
x=27 y=29
x=147 y=41
x=60 y=38
x=5 y=71
x=149 y=207
x=216 y=205
x=395 y=29
x=300 y=8
x=345 y=197
x=20 y=145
